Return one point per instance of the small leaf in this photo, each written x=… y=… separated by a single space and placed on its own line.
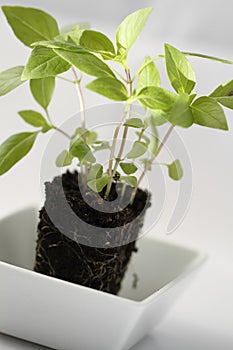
x=149 y=75
x=130 y=180
x=207 y=112
x=15 y=148
x=158 y=117
x=64 y=159
x=29 y=24
x=175 y=170
x=98 y=184
x=42 y=90
x=179 y=70
x=44 y=63
x=109 y=87
x=157 y=98
x=130 y=28
x=33 y=118
x=134 y=123
x=10 y=79
x=181 y=113
x=128 y=168
x=82 y=151
x=138 y=149
x=154 y=139
x=101 y=145
x=95 y=172
x=97 y=42
x=224 y=94
x=86 y=62
x=90 y=136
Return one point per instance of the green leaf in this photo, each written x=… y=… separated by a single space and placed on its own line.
x=130 y=180
x=179 y=70
x=138 y=149
x=15 y=148
x=95 y=172
x=98 y=184
x=58 y=44
x=130 y=28
x=42 y=90
x=207 y=112
x=134 y=123
x=158 y=117
x=33 y=118
x=149 y=75
x=224 y=94
x=109 y=87
x=90 y=136
x=154 y=139
x=86 y=62
x=96 y=42
x=29 y=24
x=181 y=113
x=100 y=145
x=175 y=170
x=10 y=79
x=82 y=151
x=128 y=168
x=64 y=159
x=44 y=63
x=157 y=98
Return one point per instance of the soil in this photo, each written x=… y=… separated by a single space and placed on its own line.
x=85 y=239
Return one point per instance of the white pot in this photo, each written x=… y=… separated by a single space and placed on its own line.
x=63 y=315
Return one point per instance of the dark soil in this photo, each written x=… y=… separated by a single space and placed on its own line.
x=85 y=239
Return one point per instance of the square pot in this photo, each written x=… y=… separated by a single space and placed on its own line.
x=62 y=315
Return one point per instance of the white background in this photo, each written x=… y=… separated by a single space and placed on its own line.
x=203 y=317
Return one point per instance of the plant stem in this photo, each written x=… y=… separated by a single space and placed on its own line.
x=82 y=105
x=55 y=127
x=68 y=80
x=208 y=57
x=111 y=171
x=149 y=163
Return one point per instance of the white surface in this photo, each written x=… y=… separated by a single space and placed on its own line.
x=62 y=315
x=203 y=317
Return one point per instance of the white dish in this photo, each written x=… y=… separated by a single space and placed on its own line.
x=62 y=315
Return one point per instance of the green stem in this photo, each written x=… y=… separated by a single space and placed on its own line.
x=55 y=127
x=208 y=57
x=149 y=163
x=82 y=105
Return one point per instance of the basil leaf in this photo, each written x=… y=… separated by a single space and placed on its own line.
x=98 y=184
x=42 y=90
x=44 y=63
x=95 y=172
x=14 y=149
x=157 y=98
x=64 y=159
x=130 y=28
x=97 y=42
x=130 y=180
x=179 y=70
x=149 y=75
x=138 y=149
x=86 y=62
x=109 y=87
x=207 y=112
x=82 y=151
x=224 y=94
x=175 y=170
x=29 y=24
x=134 y=123
x=33 y=118
x=128 y=168
x=10 y=79
x=181 y=113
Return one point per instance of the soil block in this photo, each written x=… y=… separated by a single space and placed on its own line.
x=85 y=239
